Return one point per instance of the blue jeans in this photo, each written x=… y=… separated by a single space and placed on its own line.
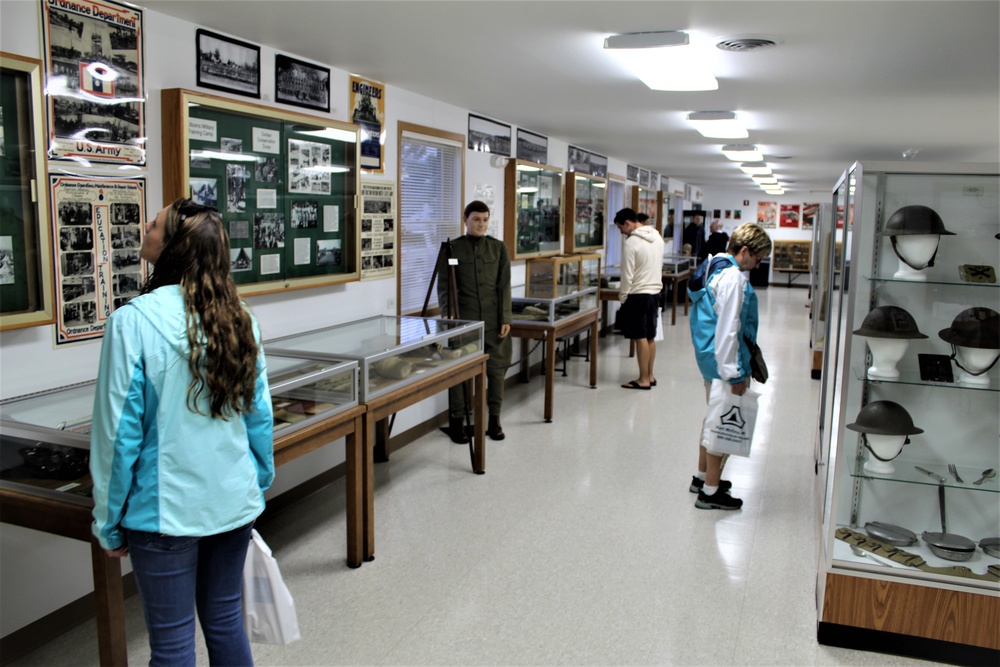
x=176 y=574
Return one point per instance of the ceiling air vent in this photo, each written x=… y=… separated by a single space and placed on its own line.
x=743 y=44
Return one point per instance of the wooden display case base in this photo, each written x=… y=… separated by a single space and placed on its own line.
x=908 y=619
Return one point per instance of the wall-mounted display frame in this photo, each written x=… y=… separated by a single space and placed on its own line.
x=26 y=294
x=489 y=136
x=227 y=64
x=532 y=209
x=366 y=100
x=286 y=184
x=586 y=212
x=94 y=82
x=532 y=147
x=301 y=84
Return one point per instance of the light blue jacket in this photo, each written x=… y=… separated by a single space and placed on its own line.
x=156 y=465
x=721 y=313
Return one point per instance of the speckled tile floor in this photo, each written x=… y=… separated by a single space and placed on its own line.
x=581 y=544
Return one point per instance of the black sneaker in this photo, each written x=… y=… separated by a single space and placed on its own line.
x=720 y=500
x=698 y=484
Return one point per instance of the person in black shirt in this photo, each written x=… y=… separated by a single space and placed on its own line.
x=718 y=240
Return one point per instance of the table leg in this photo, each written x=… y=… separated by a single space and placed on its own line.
x=673 y=312
x=355 y=494
x=381 y=449
x=368 y=485
x=550 y=371
x=479 y=435
x=525 y=362
x=593 y=354
x=109 y=598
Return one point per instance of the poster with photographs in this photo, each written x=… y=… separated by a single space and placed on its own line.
x=309 y=167
x=810 y=212
x=789 y=216
x=767 y=214
x=367 y=100
x=632 y=173
x=378 y=229
x=98 y=227
x=488 y=136
x=578 y=160
x=301 y=84
x=227 y=64
x=532 y=147
x=94 y=84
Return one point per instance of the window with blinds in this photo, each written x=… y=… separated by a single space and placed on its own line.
x=430 y=209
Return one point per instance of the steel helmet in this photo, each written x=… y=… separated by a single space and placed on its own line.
x=889 y=322
x=884 y=418
x=915 y=219
x=974 y=327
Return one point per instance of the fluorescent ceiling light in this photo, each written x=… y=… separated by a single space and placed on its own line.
x=742 y=153
x=775 y=192
x=755 y=168
x=663 y=60
x=718 y=124
x=764 y=180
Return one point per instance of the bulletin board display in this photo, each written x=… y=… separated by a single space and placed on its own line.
x=286 y=185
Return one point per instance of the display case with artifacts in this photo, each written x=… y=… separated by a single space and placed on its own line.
x=26 y=293
x=392 y=352
x=649 y=201
x=791 y=256
x=285 y=183
x=678 y=263
x=897 y=436
x=548 y=304
x=532 y=210
x=586 y=216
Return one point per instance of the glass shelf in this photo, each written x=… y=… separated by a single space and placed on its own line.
x=960 y=283
x=908 y=474
x=913 y=378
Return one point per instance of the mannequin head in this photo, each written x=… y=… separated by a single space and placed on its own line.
x=974 y=360
x=886 y=353
x=918 y=250
x=885 y=447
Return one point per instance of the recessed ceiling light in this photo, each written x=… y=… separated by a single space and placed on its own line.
x=764 y=180
x=647 y=40
x=755 y=168
x=663 y=60
x=718 y=124
x=742 y=153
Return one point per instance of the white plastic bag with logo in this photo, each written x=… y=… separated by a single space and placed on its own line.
x=730 y=421
x=659 y=328
x=268 y=607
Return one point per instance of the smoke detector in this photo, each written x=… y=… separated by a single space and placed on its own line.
x=745 y=43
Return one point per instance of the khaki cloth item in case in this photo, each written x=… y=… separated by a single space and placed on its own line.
x=913 y=560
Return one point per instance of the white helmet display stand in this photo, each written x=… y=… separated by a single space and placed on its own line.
x=918 y=249
x=976 y=360
x=886 y=353
x=885 y=447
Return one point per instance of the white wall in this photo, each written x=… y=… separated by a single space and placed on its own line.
x=40 y=573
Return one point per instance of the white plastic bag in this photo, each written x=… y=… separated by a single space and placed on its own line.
x=268 y=607
x=730 y=421
x=659 y=330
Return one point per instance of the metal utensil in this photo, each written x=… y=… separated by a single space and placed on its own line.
x=858 y=551
x=989 y=473
x=932 y=474
x=954 y=473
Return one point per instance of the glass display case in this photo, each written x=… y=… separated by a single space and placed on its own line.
x=392 y=352
x=908 y=414
x=649 y=201
x=574 y=270
x=45 y=436
x=791 y=255
x=678 y=263
x=26 y=295
x=585 y=197
x=532 y=210
x=548 y=304
x=285 y=183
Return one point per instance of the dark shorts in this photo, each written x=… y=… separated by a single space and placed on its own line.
x=639 y=316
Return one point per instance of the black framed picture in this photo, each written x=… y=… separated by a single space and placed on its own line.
x=301 y=84
x=228 y=64
x=489 y=136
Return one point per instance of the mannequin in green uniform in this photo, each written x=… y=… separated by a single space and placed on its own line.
x=483 y=276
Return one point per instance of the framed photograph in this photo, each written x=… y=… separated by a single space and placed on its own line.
x=301 y=84
x=532 y=147
x=489 y=136
x=227 y=64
